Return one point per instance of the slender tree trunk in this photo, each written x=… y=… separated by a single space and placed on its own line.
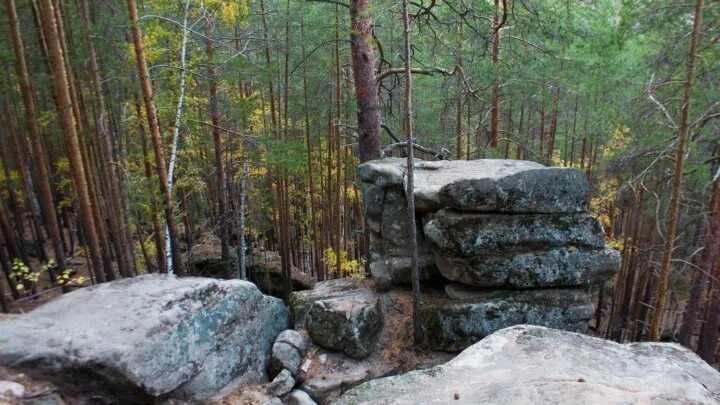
x=38 y=150
x=409 y=192
x=676 y=190
x=174 y=259
x=181 y=99
x=219 y=160
x=117 y=217
x=495 y=105
x=72 y=144
x=711 y=241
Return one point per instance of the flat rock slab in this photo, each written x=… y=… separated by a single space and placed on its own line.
x=494 y=185
x=301 y=301
x=465 y=234
x=149 y=336
x=562 y=267
x=452 y=325
x=349 y=323
x=535 y=365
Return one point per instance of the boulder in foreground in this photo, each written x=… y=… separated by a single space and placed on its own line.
x=149 y=336
x=536 y=365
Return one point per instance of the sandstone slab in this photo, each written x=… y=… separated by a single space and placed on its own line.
x=149 y=336
x=301 y=301
x=562 y=267
x=453 y=325
x=495 y=185
x=535 y=365
x=464 y=234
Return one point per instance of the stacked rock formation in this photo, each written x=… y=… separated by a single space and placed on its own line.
x=509 y=241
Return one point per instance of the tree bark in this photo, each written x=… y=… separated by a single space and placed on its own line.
x=61 y=88
x=676 y=190
x=173 y=256
x=409 y=195
x=366 y=86
x=38 y=150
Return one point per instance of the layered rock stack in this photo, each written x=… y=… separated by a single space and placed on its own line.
x=509 y=241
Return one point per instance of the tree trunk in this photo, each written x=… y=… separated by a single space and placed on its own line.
x=38 y=150
x=72 y=144
x=409 y=195
x=366 y=86
x=676 y=190
x=223 y=217
x=173 y=257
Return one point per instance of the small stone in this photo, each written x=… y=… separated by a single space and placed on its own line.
x=10 y=389
x=287 y=352
x=282 y=384
x=322 y=358
x=299 y=397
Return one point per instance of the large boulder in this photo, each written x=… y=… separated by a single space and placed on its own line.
x=491 y=185
x=562 y=267
x=464 y=234
x=301 y=301
x=349 y=323
x=535 y=365
x=470 y=315
x=149 y=336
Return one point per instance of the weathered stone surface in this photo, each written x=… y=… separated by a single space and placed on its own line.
x=454 y=325
x=349 y=323
x=281 y=384
x=301 y=301
x=430 y=176
x=299 y=397
x=563 y=267
x=465 y=234
x=540 y=190
x=373 y=203
x=267 y=272
x=381 y=275
x=399 y=269
x=287 y=352
x=535 y=365
x=323 y=389
x=149 y=336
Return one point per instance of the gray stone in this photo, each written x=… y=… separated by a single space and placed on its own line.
x=10 y=390
x=381 y=275
x=465 y=234
x=454 y=325
x=539 y=190
x=349 y=323
x=394 y=227
x=301 y=301
x=373 y=203
x=281 y=384
x=535 y=365
x=323 y=389
x=148 y=336
x=299 y=397
x=400 y=269
x=432 y=176
x=563 y=267
x=287 y=352
x=268 y=275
